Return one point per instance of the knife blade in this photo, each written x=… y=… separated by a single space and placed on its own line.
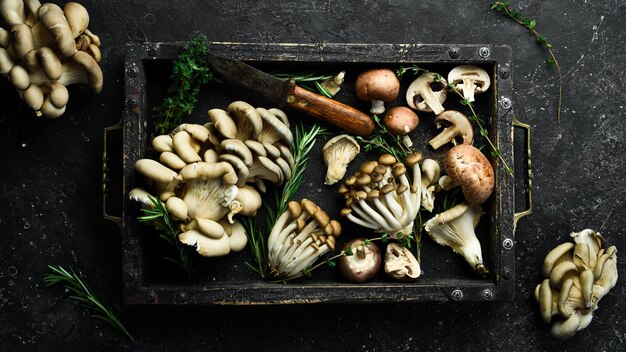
x=284 y=92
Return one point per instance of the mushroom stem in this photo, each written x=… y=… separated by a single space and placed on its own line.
x=378 y=107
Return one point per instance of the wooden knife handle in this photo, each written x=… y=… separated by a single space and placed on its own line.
x=341 y=115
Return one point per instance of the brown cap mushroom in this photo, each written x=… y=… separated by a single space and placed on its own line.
x=427 y=93
x=470 y=169
x=364 y=262
x=460 y=127
x=470 y=80
x=401 y=120
x=378 y=86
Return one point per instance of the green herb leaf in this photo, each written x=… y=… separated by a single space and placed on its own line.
x=348 y=251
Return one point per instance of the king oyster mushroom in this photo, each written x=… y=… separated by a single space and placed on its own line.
x=379 y=85
x=380 y=196
x=338 y=153
x=455 y=228
x=577 y=275
x=468 y=168
x=470 y=80
x=427 y=93
x=299 y=237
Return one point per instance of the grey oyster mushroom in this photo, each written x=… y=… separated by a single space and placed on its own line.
x=207 y=174
x=455 y=228
x=400 y=263
x=338 y=152
x=46 y=48
x=577 y=276
x=379 y=85
x=458 y=127
x=300 y=236
x=469 y=80
x=381 y=197
x=427 y=94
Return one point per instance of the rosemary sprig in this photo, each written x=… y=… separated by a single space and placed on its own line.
x=385 y=142
x=303 y=144
x=80 y=292
x=530 y=24
x=495 y=151
x=162 y=220
x=310 y=80
x=190 y=71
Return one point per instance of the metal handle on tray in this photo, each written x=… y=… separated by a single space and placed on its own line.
x=529 y=175
x=105 y=177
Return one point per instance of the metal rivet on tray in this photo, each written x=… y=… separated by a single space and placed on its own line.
x=454 y=53
x=150 y=297
x=133 y=71
x=457 y=295
x=181 y=297
x=131 y=103
x=487 y=294
x=505 y=103
x=507 y=244
x=183 y=48
x=130 y=276
x=484 y=52
x=506 y=273
x=504 y=72
x=153 y=51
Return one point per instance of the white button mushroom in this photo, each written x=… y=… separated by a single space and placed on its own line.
x=427 y=93
x=470 y=80
x=459 y=126
x=400 y=263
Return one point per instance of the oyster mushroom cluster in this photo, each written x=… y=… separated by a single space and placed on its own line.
x=44 y=49
x=205 y=173
x=577 y=276
x=299 y=237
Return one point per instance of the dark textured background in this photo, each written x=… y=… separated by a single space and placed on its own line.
x=51 y=182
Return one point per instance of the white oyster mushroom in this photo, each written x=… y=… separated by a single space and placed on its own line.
x=455 y=228
x=338 y=153
x=470 y=80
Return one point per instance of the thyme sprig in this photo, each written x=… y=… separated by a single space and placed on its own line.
x=162 y=220
x=303 y=144
x=310 y=80
x=530 y=24
x=190 y=72
x=80 y=292
x=384 y=141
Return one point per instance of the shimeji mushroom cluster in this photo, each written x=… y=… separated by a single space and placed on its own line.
x=299 y=237
x=577 y=276
x=44 y=48
x=205 y=173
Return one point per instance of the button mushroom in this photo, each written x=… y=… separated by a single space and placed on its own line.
x=455 y=228
x=338 y=153
x=427 y=93
x=468 y=168
x=459 y=127
x=379 y=86
x=401 y=121
x=400 y=263
x=299 y=237
x=577 y=275
x=470 y=80
x=364 y=262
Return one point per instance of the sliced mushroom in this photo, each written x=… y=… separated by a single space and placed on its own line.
x=459 y=127
x=427 y=93
x=470 y=80
x=338 y=153
x=400 y=263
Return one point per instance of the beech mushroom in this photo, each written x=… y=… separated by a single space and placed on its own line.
x=468 y=168
x=577 y=275
x=427 y=93
x=459 y=127
x=379 y=86
x=380 y=196
x=299 y=237
x=470 y=80
x=400 y=263
x=455 y=228
x=338 y=153
x=430 y=177
x=364 y=262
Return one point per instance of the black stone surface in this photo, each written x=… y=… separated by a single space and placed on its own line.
x=51 y=182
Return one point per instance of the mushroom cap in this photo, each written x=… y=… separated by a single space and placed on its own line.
x=468 y=167
x=377 y=84
x=364 y=264
x=338 y=152
x=77 y=18
x=480 y=78
x=401 y=120
x=422 y=97
x=50 y=63
x=94 y=73
x=53 y=19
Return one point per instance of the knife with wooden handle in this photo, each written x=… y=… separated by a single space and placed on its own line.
x=289 y=93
